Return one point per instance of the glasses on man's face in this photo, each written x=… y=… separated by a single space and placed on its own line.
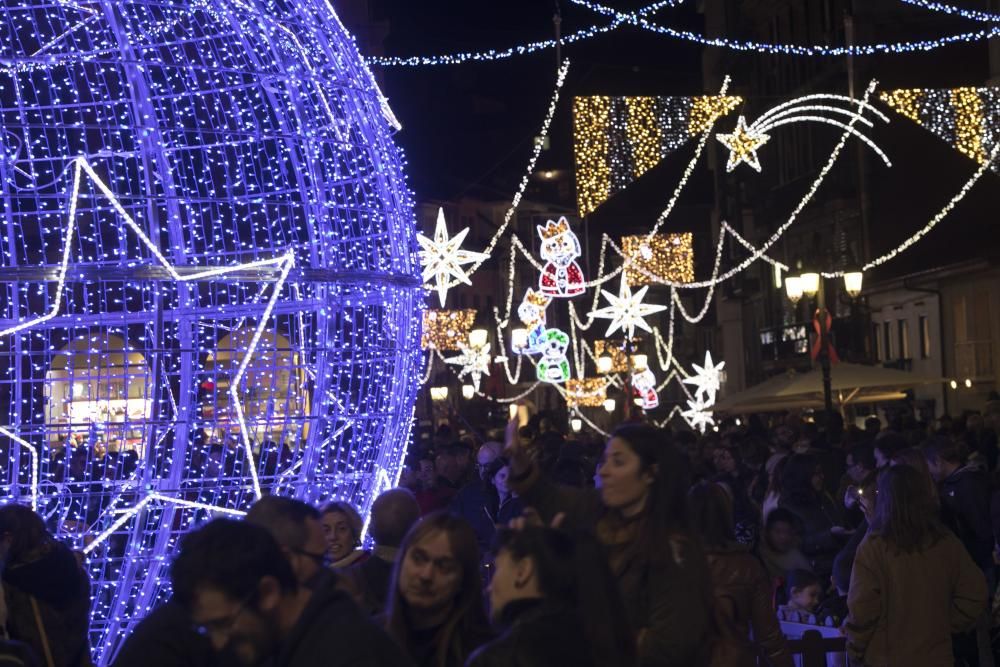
x=223 y=626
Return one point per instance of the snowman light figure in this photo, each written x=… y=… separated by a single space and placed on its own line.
x=532 y=315
x=644 y=387
x=561 y=275
x=553 y=366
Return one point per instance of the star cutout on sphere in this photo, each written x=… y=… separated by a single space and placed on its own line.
x=443 y=257
x=707 y=379
x=697 y=415
x=282 y=263
x=743 y=143
x=475 y=361
x=627 y=311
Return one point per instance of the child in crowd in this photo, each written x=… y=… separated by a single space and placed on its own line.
x=779 y=548
x=804 y=591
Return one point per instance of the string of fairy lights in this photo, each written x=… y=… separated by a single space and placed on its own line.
x=638 y=19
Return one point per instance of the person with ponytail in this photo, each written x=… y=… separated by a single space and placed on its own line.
x=638 y=514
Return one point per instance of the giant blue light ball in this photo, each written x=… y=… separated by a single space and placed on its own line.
x=141 y=144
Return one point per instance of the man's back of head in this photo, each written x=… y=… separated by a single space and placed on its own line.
x=393 y=514
x=296 y=527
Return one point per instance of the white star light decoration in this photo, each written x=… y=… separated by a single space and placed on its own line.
x=708 y=380
x=627 y=311
x=697 y=415
x=282 y=263
x=442 y=257
x=743 y=143
x=475 y=361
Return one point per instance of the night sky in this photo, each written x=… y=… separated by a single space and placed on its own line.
x=471 y=125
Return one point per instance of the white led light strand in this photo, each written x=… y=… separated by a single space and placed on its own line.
x=536 y=151
x=799 y=50
x=523 y=49
x=972 y=14
x=932 y=223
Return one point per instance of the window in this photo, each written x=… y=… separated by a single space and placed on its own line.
x=878 y=351
x=903 y=330
x=887 y=341
x=925 y=337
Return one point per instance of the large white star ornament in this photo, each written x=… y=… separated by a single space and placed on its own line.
x=281 y=264
x=697 y=415
x=475 y=361
x=707 y=379
x=743 y=143
x=627 y=311
x=442 y=257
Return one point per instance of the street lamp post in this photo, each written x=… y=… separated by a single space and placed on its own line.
x=811 y=285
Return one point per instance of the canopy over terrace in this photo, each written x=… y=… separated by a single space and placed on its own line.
x=851 y=384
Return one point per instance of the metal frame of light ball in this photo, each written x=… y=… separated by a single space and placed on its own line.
x=176 y=175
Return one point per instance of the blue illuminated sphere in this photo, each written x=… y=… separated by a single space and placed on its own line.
x=140 y=397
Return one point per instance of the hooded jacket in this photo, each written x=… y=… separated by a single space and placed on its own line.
x=51 y=580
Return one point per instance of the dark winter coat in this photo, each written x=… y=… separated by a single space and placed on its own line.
x=537 y=634
x=332 y=631
x=52 y=579
x=369 y=581
x=667 y=596
x=965 y=508
x=477 y=503
x=166 y=638
x=742 y=595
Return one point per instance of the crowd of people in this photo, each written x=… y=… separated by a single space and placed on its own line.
x=651 y=548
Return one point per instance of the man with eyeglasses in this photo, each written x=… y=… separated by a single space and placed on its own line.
x=296 y=527
x=243 y=592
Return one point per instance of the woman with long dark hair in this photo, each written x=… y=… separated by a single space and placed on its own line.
x=46 y=591
x=638 y=513
x=913 y=583
x=556 y=602
x=740 y=586
x=803 y=493
x=436 y=611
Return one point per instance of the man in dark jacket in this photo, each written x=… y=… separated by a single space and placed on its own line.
x=965 y=499
x=393 y=514
x=477 y=501
x=165 y=638
x=965 y=508
x=241 y=593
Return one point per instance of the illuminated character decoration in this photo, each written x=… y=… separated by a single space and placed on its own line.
x=553 y=366
x=532 y=314
x=561 y=276
x=644 y=386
